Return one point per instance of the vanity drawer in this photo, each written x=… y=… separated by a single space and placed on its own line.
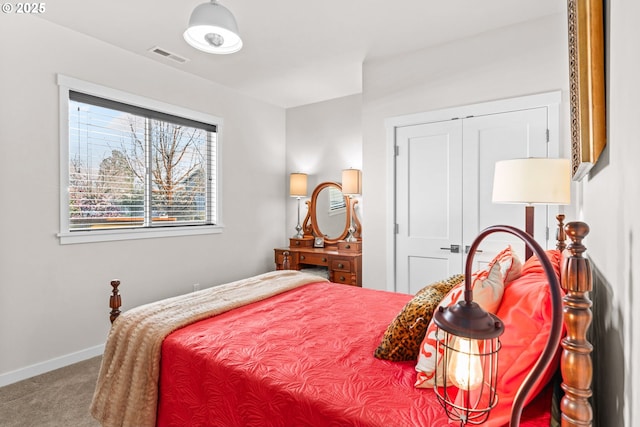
x=305 y=242
x=343 y=277
x=314 y=259
x=340 y=264
x=350 y=246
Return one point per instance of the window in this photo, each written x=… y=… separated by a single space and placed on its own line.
x=135 y=171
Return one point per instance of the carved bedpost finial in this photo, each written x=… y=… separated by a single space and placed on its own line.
x=577 y=231
x=561 y=236
x=114 y=301
x=576 y=282
x=286 y=263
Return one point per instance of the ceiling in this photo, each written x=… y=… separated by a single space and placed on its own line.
x=295 y=52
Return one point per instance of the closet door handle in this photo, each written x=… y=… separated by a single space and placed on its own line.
x=455 y=249
x=466 y=250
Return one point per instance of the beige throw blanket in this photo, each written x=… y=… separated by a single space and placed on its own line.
x=127 y=389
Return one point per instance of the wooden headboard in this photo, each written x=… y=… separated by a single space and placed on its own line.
x=575 y=364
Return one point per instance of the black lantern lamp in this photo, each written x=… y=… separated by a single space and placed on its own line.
x=468 y=344
x=468 y=340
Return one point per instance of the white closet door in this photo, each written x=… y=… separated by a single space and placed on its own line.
x=428 y=203
x=486 y=140
x=444 y=183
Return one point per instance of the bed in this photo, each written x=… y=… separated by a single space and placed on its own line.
x=290 y=349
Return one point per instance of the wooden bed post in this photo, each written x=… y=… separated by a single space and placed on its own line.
x=114 y=301
x=576 y=364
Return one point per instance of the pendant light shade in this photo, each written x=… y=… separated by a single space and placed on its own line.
x=213 y=29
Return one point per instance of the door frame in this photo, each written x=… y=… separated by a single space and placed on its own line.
x=551 y=100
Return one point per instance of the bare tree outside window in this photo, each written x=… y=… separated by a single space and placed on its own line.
x=178 y=168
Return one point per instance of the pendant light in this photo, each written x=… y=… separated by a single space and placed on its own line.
x=213 y=29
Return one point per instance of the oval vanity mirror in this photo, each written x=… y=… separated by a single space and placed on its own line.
x=328 y=213
x=331 y=212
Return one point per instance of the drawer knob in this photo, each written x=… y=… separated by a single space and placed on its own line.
x=340 y=265
x=342 y=278
x=347 y=247
x=302 y=257
x=297 y=243
x=324 y=260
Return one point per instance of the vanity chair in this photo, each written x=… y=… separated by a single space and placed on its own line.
x=329 y=216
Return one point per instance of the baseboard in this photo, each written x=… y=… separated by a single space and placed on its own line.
x=50 y=365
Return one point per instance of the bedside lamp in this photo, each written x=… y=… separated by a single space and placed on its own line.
x=468 y=344
x=351 y=186
x=298 y=189
x=532 y=181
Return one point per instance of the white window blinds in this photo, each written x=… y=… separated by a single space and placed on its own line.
x=134 y=167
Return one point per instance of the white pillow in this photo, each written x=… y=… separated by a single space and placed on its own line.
x=488 y=288
x=510 y=264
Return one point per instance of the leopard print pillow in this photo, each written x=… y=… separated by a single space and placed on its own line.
x=402 y=339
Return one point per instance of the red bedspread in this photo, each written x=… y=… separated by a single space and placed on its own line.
x=293 y=360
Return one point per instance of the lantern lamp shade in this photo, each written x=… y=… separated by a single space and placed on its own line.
x=298 y=184
x=532 y=181
x=351 y=182
x=467 y=390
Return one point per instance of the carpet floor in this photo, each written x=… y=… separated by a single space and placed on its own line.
x=54 y=399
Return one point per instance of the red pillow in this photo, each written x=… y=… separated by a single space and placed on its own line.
x=533 y=264
x=525 y=311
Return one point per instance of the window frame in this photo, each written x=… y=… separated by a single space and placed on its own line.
x=65 y=234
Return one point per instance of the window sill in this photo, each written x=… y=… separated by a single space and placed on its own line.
x=69 y=238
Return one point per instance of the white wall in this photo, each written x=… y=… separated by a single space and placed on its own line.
x=322 y=139
x=611 y=202
x=54 y=298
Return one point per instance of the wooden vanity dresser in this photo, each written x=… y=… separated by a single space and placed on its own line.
x=341 y=258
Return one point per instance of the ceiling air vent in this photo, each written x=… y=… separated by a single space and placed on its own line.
x=162 y=52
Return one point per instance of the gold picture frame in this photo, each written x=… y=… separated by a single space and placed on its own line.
x=586 y=84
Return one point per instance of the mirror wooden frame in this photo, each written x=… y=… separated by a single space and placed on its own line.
x=310 y=224
x=586 y=84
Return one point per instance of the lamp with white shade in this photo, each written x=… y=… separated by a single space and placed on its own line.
x=298 y=189
x=532 y=181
